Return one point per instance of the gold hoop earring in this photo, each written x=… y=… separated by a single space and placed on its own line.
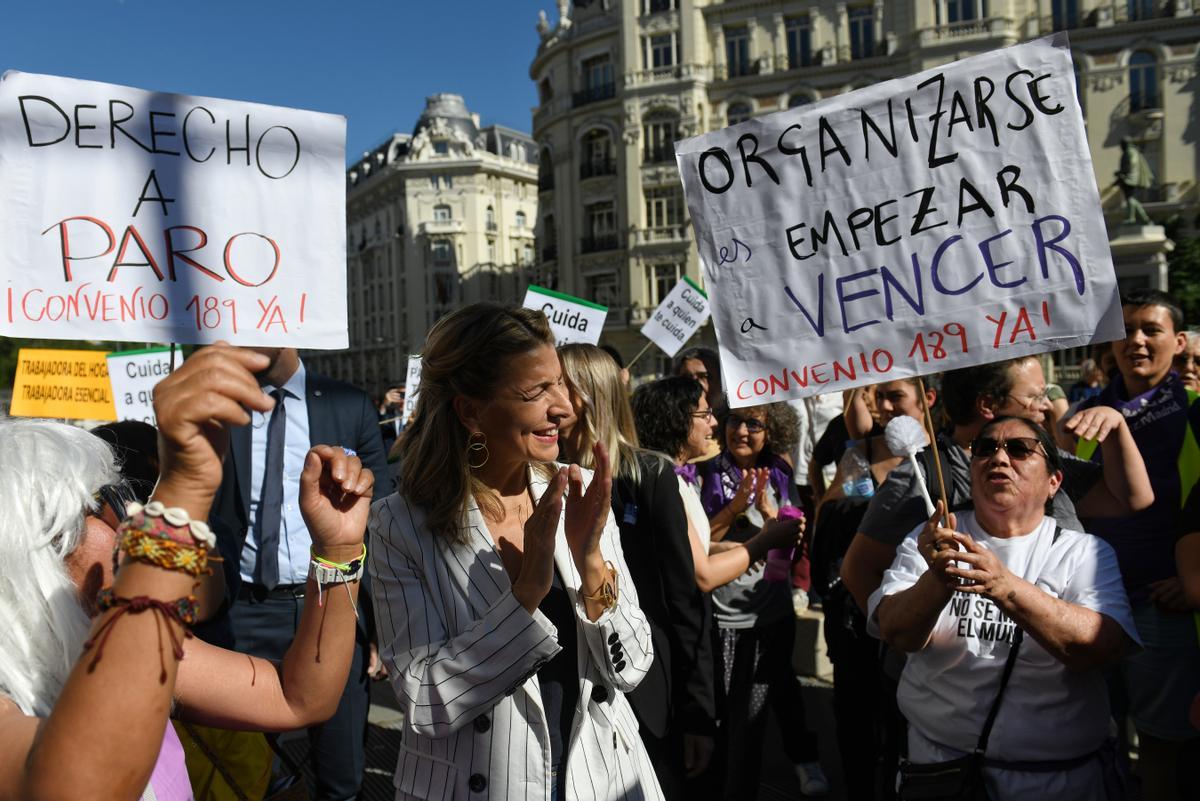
x=478 y=449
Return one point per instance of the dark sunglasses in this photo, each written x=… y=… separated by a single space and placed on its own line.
x=1018 y=448
x=117 y=497
x=753 y=424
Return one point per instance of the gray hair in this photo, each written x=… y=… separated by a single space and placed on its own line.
x=49 y=473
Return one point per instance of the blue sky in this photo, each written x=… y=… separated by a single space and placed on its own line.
x=374 y=62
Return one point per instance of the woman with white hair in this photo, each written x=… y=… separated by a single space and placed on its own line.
x=89 y=676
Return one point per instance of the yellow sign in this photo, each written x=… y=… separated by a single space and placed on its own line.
x=71 y=384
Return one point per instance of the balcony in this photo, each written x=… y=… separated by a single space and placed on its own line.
x=492 y=227
x=441 y=227
x=990 y=28
x=594 y=94
x=671 y=73
x=743 y=69
x=666 y=234
x=601 y=242
x=595 y=168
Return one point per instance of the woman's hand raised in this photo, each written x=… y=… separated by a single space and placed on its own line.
x=588 y=511
x=541 y=531
x=335 y=499
x=195 y=405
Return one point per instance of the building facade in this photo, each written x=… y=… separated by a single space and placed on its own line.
x=434 y=219
x=619 y=81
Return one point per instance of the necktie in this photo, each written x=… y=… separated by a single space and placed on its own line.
x=270 y=505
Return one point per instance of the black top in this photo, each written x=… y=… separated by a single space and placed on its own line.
x=559 y=678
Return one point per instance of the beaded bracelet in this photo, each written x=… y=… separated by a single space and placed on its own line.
x=325 y=571
x=164 y=553
x=170 y=523
x=182 y=610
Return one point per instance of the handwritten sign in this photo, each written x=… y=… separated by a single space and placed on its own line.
x=572 y=319
x=65 y=384
x=681 y=313
x=134 y=215
x=412 y=387
x=133 y=375
x=926 y=223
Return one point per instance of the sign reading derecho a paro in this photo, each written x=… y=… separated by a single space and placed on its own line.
x=134 y=374
x=572 y=319
x=133 y=215
x=681 y=313
x=922 y=224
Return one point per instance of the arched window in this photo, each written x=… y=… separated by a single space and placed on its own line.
x=1143 y=81
x=798 y=100
x=545 y=170
x=737 y=112
x=490 y=216
x=441 y=213
x=520 y=219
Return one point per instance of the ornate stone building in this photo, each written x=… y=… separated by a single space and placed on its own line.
x=435 y=219
x=620 y=80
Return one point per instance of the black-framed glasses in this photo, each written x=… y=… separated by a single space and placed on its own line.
x=116 y=497
x=753 y=424
x=1018 y=448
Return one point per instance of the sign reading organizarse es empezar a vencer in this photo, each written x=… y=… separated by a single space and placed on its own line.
x=925 y=223
x=135 y=215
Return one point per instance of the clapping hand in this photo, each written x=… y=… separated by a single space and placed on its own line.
x=541 y=532
x=587 y=511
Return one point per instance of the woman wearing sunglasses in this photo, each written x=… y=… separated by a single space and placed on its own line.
x=961 y=598
x=743 y=489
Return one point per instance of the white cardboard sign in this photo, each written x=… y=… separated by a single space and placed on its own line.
x=135 y=215
x=936 y=221
x=681 y=313
x=572 y=319
x=412 y=387
x=134 y=374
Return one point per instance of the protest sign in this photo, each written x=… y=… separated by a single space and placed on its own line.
x=134 y=374
x=925 y=223
x=67 y=384
x=412 y=388
x=134 y=215
x=680 y=315
x=572 y=319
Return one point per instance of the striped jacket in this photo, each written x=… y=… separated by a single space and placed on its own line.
x=463 y=654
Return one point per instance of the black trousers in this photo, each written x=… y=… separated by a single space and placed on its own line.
x=754 y=668
x=266 y=628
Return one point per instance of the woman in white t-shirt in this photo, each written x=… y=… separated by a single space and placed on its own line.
x=954 y=598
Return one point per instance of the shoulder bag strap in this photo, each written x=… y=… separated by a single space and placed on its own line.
x=1009 y=664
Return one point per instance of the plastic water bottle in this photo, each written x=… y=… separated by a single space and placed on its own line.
x=779 y=560
x=856 y=473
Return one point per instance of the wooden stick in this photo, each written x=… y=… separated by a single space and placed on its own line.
x=640 y=354
x=937 y=459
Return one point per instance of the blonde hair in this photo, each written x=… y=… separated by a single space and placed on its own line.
x=468 y=352
x=595 y=379
x=48 y=476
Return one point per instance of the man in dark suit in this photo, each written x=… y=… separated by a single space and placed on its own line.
x=264 y=542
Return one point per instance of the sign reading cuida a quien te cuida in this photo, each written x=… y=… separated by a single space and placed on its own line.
x=925 y=223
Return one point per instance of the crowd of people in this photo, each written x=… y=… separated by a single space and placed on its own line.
x=583 y=590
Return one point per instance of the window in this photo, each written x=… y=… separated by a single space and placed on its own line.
x=549 y=238
x=655 y=6
x=442 y=253
x=520 y=219
x=1065 y=14
x=449 y=180
x=597 y=154
x=545 y=171
x=966 y=10
x=443 y=288
x=799 y=42
x=1143 y=81
x=664 y=207
x=434 y=182
x=441 y=147
x=527 y=254
x=545 y=91
x=490 y=218
x=738 y=112
x=1141 y=9
x=601 y=218
x=660 y=280
x=441 y=213
x=658 y=141
x=659 y=51
x=795 y=101
x=491 y=251
x=862 y=32
x=597 y=73
x=602 y=289
x=737 y=50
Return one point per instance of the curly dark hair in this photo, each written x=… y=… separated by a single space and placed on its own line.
x=662 y=413
x=783 y=426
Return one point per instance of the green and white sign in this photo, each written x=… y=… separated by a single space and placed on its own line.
x=681 y=313
x=572 y=319
x=133 y=374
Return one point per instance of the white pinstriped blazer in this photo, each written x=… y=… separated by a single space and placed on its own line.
x=462 y=654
